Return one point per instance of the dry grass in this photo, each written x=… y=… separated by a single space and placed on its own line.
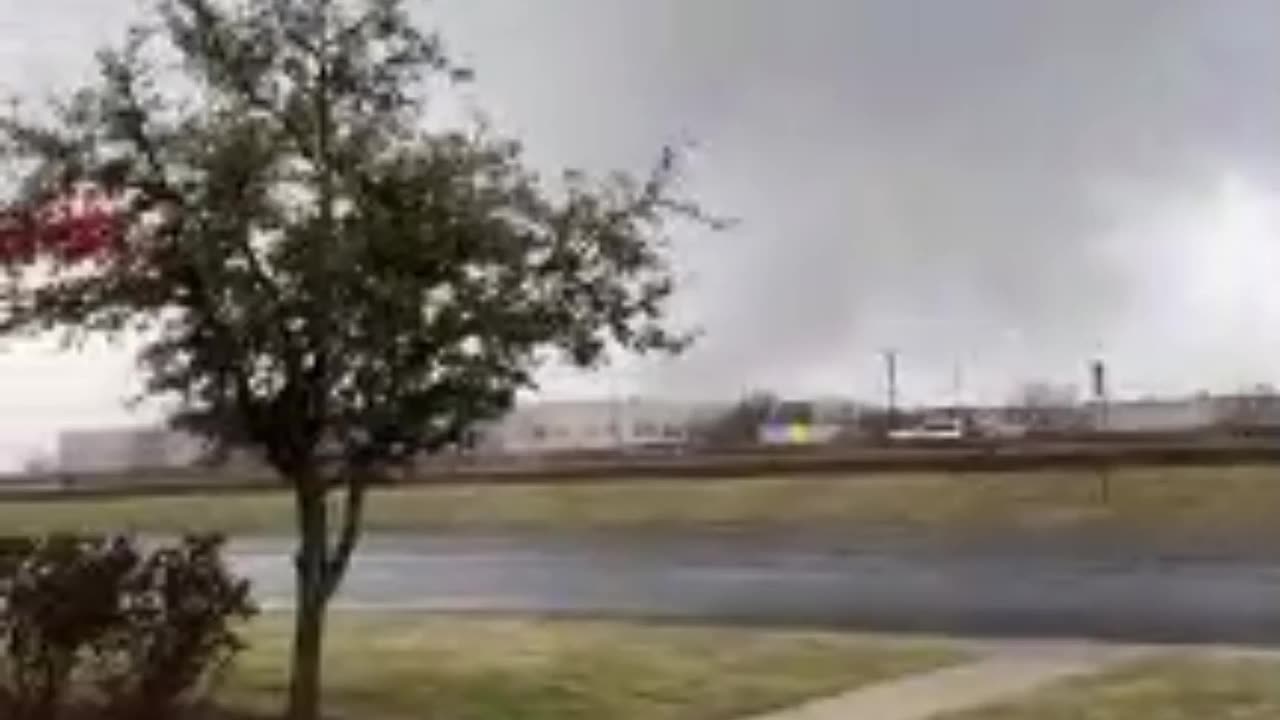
x=389 y=666
x=1186 y=499
x=1171 y=689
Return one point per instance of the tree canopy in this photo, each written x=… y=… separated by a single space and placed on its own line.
x=314 y=270
x=308 y=263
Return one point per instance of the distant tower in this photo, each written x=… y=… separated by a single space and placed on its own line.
x=1098 y=375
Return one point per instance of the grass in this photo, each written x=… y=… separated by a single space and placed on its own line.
x=385 y=667
x=1167 y=689
x=1183 y=499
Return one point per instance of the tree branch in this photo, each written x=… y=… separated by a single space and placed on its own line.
x=357 y=485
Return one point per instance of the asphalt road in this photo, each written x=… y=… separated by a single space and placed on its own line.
x=1001 y=587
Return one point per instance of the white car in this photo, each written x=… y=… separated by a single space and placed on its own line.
x=932 y=430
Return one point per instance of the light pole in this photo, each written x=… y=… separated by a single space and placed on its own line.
x=891 y=387
x=1098 y=378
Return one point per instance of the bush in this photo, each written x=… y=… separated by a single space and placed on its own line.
x=120 y=632
x=60 y=598
x=178 y=635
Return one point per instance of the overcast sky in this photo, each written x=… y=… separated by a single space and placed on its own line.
x=1011 y=186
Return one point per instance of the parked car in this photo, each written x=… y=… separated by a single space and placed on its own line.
x=930 y=430
x=1000 y=430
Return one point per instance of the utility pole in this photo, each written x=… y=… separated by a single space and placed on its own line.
x=891 y=386
x=1102 y=395
x=957 y=385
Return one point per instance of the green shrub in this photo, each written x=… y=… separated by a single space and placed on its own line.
x=63 y=596
x=181 y=606
x=117 y=632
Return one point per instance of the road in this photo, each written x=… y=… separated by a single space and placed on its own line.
x=1002 y=587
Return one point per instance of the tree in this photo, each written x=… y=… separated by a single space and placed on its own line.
x=1046 y=406
x=312 y=272
x=739 y=425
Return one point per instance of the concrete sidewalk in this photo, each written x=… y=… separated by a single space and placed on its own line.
x=1001 y=673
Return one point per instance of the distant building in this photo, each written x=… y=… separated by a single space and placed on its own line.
x=1154 y=415
x=1249 y=410
x=126 y=449
x=545 y=427
x=565 y=426
x=808 y=422
x=1199 y=412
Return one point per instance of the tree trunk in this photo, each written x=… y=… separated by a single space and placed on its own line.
x=304 y=687
x=308 y=637
x=320 y=569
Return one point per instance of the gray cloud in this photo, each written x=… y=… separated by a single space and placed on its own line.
x=916 y=173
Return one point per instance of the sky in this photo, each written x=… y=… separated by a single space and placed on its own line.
x=1000 y=190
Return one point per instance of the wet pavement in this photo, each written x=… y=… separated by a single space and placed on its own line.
x=1012 y=586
